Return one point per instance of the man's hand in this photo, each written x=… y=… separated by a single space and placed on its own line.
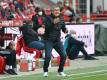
x=85 y=45
x=41 y=31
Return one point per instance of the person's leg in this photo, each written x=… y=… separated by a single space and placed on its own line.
x=13 y=56
x=48 y=50
x=60 y=49
x=74 y=51
x=84 y=52
x=37 y=44
x=8 y=68
x=13 y=62
x=7 y=61
x=86 y=55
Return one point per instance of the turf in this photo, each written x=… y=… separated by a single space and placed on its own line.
x=93 y=73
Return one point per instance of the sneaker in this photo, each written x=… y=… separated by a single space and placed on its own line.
x=45 y=74
x=13 y=72
x=8 y=71
x=62 y=74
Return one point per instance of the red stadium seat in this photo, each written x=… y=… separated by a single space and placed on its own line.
x=21 y=44
x=105 y=12
x=2 y=64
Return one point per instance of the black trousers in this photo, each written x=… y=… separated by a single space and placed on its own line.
x=74 y=51
x=49 y=45
x=10 y=58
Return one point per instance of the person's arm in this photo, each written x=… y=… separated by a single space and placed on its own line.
x=27 y=29
x=74 y=41
x=31 y=31
x=62 y=23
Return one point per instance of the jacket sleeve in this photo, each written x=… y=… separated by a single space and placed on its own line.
x=62 y=23
x=74 y=41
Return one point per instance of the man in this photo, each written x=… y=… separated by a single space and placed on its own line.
x=53 y=26
x=10 y=55
x=37 y=19
x=31 y=37
x=75 y=46
x=68 y=14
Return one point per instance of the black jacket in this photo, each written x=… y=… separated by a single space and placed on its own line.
x=29 y=34
x=53 y=31
x=35 y=22
x=73 y=41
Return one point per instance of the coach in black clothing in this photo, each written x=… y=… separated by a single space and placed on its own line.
x=53 y=26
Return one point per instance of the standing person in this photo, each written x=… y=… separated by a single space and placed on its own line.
x=37 y=18
x=68 y=14
x=31 y=37
x=53 y=26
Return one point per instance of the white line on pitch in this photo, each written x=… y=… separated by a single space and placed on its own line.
x=90 y=72
x=86 y=73
x=85 y=76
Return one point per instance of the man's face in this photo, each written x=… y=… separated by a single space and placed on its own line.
x=47 y=12
x=56 y=11
x=72 y=33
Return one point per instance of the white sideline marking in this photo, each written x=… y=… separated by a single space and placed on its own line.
x=70 y=76
x=85 y=76
x=89 y=72
x=62 y=79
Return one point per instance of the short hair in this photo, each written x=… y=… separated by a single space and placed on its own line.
x=27 y=22
x=11 y=43
x=72 y=32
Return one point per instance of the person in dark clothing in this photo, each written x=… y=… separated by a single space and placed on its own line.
x=10 y=55
x=74 y=47
x=69 y=13
x=37 y=19
x=72 y=14
x=32 y=1
x=53 y=26
x=48 y=21
x=31 y=37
